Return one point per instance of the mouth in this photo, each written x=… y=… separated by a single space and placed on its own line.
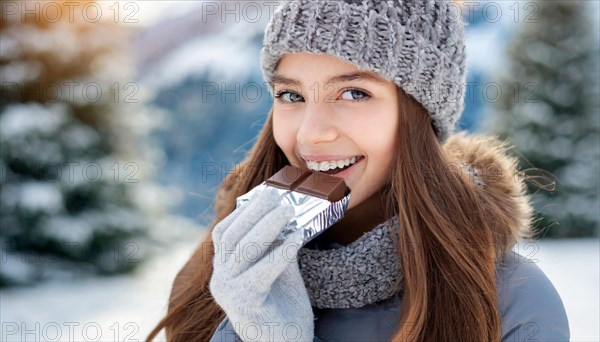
x=333 y=167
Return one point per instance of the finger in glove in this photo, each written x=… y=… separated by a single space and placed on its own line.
x=256 y=209
x=275 y=262
x=259 y=241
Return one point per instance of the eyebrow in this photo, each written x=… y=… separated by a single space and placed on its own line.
x=357 y=76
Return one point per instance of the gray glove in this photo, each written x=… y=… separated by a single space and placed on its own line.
x=256 y=279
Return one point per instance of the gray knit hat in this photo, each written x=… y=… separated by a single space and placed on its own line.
x=417 y=44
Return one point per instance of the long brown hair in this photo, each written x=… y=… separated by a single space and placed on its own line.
x=448 y=245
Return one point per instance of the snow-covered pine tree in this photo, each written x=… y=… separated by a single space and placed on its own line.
x=70 y=123
x=549 y=110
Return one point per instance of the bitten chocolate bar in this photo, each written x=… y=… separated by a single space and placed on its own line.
x=309 y=182
x=289 y=177
x=319 y=200
x=323 y=186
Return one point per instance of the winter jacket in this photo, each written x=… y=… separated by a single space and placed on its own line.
x=530 y=309
x=529 y=305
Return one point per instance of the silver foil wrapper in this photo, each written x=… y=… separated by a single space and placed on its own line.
x=311 y=214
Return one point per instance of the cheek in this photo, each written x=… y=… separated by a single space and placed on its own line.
x=284 y=135
x=382 y=138
x=389 y=131
x=379 y=135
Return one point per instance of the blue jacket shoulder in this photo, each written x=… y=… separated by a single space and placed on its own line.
x=530 y=307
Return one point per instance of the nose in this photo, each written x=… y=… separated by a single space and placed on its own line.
x=316 y=126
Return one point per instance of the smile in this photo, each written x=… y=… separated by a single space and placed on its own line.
x=333 y=166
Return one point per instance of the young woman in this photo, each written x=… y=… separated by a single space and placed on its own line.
x=370 y=91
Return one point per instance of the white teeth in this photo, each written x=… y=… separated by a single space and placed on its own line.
x=330 y=165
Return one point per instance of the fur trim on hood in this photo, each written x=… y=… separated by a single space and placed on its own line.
x=499 y=181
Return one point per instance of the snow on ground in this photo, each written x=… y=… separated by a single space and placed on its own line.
x=123 y=308
x=126 y=308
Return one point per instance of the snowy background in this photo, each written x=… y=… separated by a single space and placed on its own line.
x=192 y=68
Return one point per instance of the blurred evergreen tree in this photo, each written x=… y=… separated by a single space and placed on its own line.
x=207 y=136
x=69 y=148
x=549 y=110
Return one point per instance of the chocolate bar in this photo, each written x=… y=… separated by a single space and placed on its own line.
x=289 y=177
x=319 y=200
x=324 y=186
x=309 y=182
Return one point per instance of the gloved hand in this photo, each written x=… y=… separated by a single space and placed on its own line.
x=258 y=282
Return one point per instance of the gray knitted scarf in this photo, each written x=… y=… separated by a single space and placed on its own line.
x=363 y=272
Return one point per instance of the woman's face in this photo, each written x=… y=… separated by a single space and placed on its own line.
x=328 y=116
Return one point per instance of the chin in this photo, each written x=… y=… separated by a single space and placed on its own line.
x=353 y=203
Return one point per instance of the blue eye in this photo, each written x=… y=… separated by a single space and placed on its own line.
x=355 y=95
x=288 y=97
